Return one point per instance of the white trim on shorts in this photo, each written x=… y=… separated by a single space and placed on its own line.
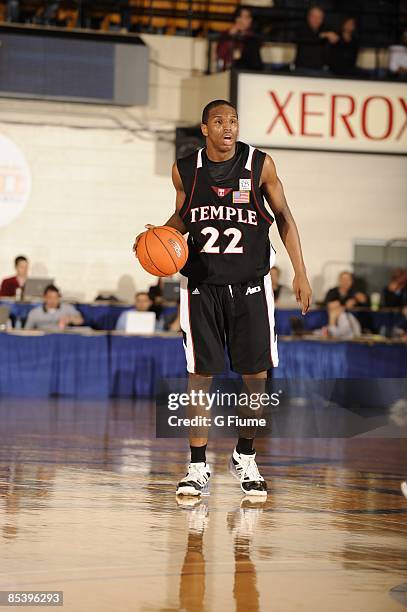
x=268 y=291
x=186 y=324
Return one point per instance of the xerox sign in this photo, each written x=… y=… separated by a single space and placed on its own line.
x=321 y=113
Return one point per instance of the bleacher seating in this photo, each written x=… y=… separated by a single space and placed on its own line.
x=380 y=24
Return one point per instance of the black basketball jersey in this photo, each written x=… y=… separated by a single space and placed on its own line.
x=227 y=220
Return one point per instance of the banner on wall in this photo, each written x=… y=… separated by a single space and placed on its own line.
x=321 y=113
x=15 y=181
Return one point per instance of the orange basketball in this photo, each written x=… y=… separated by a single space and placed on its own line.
x=162 y=251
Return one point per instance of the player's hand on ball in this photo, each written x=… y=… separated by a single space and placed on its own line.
x=303 y=292
x=148 y=226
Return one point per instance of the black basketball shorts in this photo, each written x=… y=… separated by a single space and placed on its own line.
x=239 y=316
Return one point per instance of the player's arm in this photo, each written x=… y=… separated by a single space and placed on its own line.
x=175 y=220
x=287 y=228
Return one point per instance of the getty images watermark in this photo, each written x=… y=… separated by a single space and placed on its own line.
x=197 y=401
x=282 y=408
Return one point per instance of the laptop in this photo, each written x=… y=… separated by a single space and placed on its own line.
x=4 y=316
x=140 y=322
x=34 y=287
x=171 y=291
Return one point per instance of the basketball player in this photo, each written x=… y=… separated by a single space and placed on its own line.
x=404 y=488
x=226 y=293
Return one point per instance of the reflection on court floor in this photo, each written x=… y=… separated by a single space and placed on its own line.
x=87 y=506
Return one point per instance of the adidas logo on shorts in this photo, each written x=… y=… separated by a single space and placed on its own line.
x=196 y=292
x=251 y=290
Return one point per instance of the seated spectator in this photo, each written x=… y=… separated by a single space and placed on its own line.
x=313 y=42
x=11 y=285
x=395 y=293
x=142 y=303
x=344 y=53
x=53 y=315
x=346 y=293
x=240 y=45
x=341 y=324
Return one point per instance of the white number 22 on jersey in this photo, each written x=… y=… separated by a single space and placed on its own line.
x=210 y=245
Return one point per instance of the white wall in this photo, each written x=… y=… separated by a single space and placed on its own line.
x=94 y=189
x=339 y=197
x=198 y=91
x=174 y=58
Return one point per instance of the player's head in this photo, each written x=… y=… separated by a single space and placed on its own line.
x=220 y=124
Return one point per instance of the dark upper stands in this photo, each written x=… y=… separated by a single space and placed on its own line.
x=380 y=22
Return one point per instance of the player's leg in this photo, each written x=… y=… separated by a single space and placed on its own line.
x=203 y=332
x=199 y=385
x=196 y=479
x=404 y=488
x=253 y=350
x=243 y=464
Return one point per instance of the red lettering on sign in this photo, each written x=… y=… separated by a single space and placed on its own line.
x=389 y=128
x=304 y=112
x=280 y=112
x=342 y=115
x=403 y=127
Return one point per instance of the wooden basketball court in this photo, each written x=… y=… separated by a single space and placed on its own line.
x=87 y=506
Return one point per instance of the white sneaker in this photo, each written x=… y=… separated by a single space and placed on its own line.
x=404 y=488
x=244 y=468
x=196 y=480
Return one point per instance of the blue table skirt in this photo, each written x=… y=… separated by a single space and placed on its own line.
x=137 y=363
x=54 y=364
x=124 y=366
x=105 y=316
